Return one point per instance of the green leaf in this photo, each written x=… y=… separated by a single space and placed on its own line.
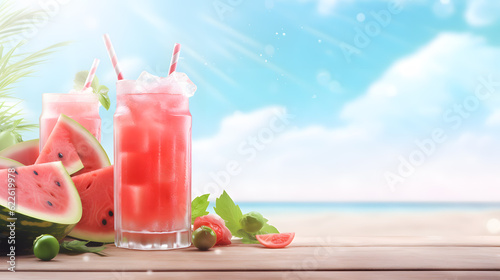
x=79 y=80
x=247 y=238
x=199 y=207
x=79 y=247
x=266 y=229
x=229 y=212
x=95 y=82
x=102 y=92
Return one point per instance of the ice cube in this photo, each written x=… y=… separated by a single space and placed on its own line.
x=181 y=84
x=175 y=83
x=147 y=82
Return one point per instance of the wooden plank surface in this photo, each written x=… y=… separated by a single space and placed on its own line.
x=400 y=241
x=293 y=258
x=337 y=254
x=209 y=275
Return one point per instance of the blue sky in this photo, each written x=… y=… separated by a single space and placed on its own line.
x=355 y=123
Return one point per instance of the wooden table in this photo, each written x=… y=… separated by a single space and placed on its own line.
x=316 y=258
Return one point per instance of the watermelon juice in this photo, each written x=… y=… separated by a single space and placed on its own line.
x=152 y=139
x=83 y=107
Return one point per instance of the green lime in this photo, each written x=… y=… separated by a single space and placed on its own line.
x=45 y=247
x=204 y=238
x=252 y=222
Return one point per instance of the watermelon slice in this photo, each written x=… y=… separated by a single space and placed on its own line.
x=68 y=141
x=96 y=191
x=24 y=152
x=8 y=163
x=46 y=202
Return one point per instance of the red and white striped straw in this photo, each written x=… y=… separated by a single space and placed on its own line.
x=91 y=74
x=175 y=58
x=112 y=56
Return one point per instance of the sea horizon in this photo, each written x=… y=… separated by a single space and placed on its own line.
x=356 y=207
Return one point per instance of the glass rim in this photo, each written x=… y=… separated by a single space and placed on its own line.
x=69 y=97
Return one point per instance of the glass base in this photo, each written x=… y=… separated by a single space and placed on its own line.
x=144 y=240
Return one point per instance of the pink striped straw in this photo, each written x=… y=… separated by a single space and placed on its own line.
x=112 y=56
x=91 y=74
x=175 y=58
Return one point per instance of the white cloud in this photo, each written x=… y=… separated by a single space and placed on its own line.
x=348 y=163
x=494 y=118
x=482 y=12
x=420 y=87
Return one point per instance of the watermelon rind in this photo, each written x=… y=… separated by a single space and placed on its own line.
x=82 y=184
x=91 y=140
x=9 y=163
x=87 y=147
x=12 y=151
x=30 y=224
x=75 y=167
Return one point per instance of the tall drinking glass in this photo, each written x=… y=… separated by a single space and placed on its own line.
x=152 y=136
x=82 y=107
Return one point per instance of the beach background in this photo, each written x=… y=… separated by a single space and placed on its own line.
x=311 y=220
x=330 y=117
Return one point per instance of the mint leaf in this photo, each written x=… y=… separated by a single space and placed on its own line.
x=79 y=80
x=266 y=229
x=100 y=90
x=95 y=82
x=247 y=238
x=199 y=206
x=229 y=212
x=79 y=247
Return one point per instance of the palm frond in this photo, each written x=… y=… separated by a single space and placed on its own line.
x=13 y=22
x=11 y=72
x=15 y=66
x=10 y=119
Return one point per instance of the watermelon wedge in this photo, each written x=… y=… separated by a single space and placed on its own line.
x=68 y=141
x=8 y=163
x=24 y=152
x=46 y=202
x=96 y=191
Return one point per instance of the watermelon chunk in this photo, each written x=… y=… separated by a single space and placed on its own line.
x=46 y=202
x=24 y=152
x=96 y=191
x=69 y=139
x=8 y=163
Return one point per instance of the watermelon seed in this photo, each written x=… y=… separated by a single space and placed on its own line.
x=88 y=187
x=39 y=185
x=60 y=155
x=52 y=194
x=104 y=222
x=34 y=171
x=50 y=203
x=58 y=184
x=110 y=213
x=15 y=171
